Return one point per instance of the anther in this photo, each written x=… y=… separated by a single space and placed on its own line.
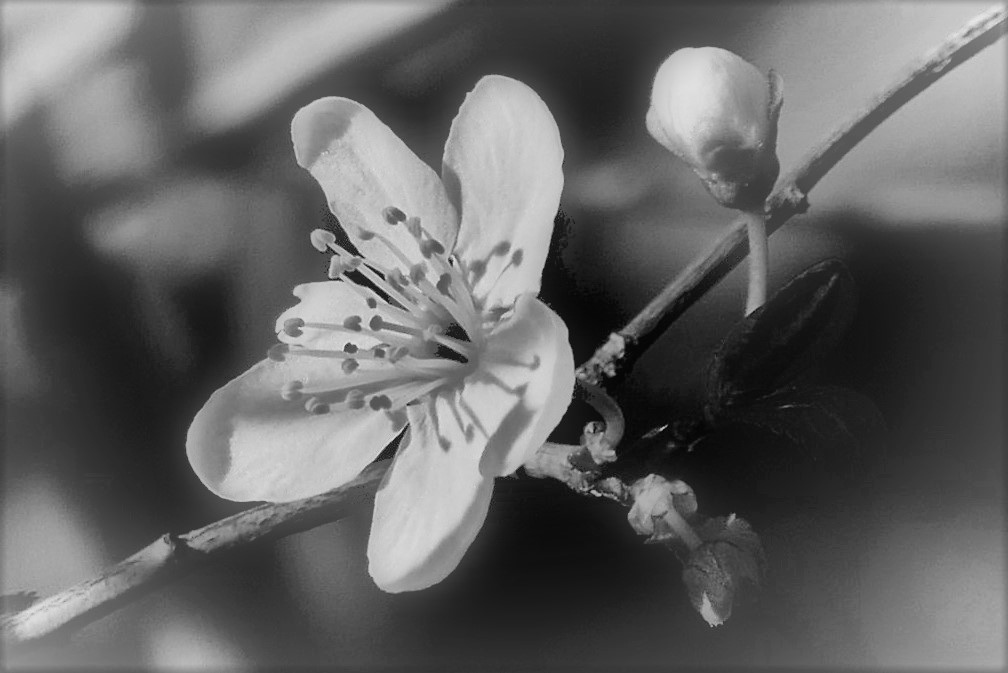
x=322 y=239
x=278 y=352
x=355 y=399
x=349 y=366
x=431 y=247
x=477 y=268
x=316 y=406
x=350 y=348
x=517 y=257
x=379 y=402
x=418 y=272
x=292 y=327
x=396 y=278
x=372 y=302
x=443 y=283
x=365 y=234
x=502 y=248
x=413 y=226
x=376 y=323
x=352 y=323
x=336 y=267
x=291 y=391
x=393 y=215
x=378 y=352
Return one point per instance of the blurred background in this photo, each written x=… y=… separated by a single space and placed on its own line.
x=154 y=222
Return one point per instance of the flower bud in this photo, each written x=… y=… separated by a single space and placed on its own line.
x=718 y=113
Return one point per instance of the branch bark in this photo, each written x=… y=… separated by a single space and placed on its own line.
x=171 y=557
x=624 y=346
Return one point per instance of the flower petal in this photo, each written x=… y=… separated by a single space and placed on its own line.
x=523 y=386
x=248 y=443
x=503 y=169
x=329 y=302
x=363 y=167
x=430 y=506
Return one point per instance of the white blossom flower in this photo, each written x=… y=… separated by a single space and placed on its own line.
x=436 y=325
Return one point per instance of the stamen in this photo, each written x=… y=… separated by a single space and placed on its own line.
x=516 y=259
x=379 y=402
x=349 y=366
x=398 y=353
x=336 y=267
x=291 y=391
x=394 y=249
x=393 y=215
x=413 y=226
x=292 y=327
x=314 y=405
x=477 y=268
x=413 y=391
x=355 y=399
x=418 y=272
x=431 y=247
x=352 y=323
x=278 y=352
x=322 y=239
x=501 y=248
x=384 y=286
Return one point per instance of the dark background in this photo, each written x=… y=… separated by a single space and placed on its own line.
x=154 y=222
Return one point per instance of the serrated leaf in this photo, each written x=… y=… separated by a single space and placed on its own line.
x=772 y=346
x=728 y=566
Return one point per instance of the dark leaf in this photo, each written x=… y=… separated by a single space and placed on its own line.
x=775 y=344
x=801 y=443
x=727 y=567
x=818 y=419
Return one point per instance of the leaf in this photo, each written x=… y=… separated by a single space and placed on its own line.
x=819 y=419
x=775 y=344
x=730 y=565
x=804 y=443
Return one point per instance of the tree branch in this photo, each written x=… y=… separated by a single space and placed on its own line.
x=623 y=347
x=171 y=557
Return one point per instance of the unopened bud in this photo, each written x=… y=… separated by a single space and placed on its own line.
x=719 y=114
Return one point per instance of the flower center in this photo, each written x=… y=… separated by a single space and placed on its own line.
x=423 y=332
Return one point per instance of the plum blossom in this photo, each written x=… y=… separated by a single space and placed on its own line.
x=434 y=327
